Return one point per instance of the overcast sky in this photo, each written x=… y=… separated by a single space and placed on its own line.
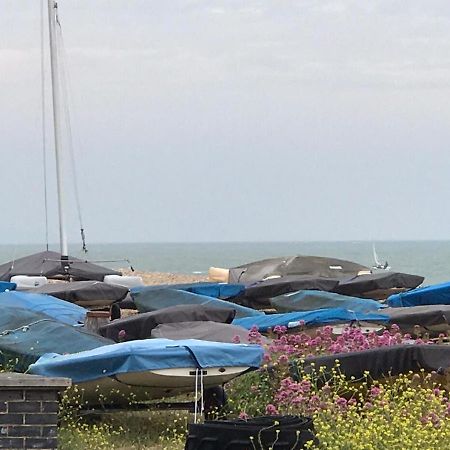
x=208 y=120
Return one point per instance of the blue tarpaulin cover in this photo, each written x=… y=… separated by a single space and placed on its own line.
x=53 y=307
x=311 y=318
x=216 y=290
x=313 y=300
x=7 y=286
x=147 y=300
x=147 y=354
x=437 y=294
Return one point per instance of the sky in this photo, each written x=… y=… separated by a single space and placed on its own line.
x=209 y=120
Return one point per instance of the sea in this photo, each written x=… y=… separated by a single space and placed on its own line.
x=430 y=259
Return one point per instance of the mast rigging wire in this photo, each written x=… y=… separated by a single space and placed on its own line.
x=65 y=85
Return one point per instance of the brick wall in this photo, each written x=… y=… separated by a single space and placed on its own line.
x=29 y=411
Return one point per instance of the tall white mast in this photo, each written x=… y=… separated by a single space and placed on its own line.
x=56 y=94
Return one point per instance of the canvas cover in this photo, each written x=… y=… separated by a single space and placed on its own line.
x=378 y=281
x=426 y=316
x=140 y=326
x=27 y=335
x=53 y=307
x=85 y=293
x=48 y=264
x=436 y=294
x=309 y=318
x=216 y=290
x=205 y=331
x=311 y=266
x=312 y=300
x=144 y=355
x=383 y=361
x=7 y=286
x=147 y=300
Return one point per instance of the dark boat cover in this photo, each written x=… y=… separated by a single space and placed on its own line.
x=437 y=294
x=311 y=300
x=27 y=335
x=308 y=318
x=376 y=281
x=48 y=264
x=140 y=326
x=205 y=331
x=384 y=361
x=312 y=266
x=85 y=293
x=148 y=299
x=425 y=316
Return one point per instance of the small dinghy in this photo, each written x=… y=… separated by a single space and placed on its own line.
x=150 y=368
x=436 y=294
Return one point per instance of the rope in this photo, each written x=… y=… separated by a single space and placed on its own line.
x=65 y=85
x=44 y=143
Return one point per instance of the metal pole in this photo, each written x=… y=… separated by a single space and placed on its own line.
x=52 y=14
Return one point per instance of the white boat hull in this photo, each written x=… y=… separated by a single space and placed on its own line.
x=133 y=387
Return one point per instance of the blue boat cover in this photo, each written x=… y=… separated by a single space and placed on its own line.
x=310 y=318
x=216 y=290
x=7 y=286
x=312 y=300
x=27 y=335
x=436 y=294
x=147 y=354
x=147 y=300
x=60 y=310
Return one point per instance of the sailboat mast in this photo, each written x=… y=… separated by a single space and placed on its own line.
x=56 y=96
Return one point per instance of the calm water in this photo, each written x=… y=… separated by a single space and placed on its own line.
x=428 y=258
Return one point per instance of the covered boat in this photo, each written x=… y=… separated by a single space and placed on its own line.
x=309 y=319
x=7 y=286
x=205 y=331
x=50 y=264
x=382 y=361
x=311 y=266
x=378 y=285
x=313 y=300
x=27 y=335
x=53 y=307
x=140 y=326
x=90 y=294
x=149 y=299
x=436 y=294
x=430 y=319
x=150 y=368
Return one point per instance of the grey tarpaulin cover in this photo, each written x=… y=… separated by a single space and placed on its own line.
x=384 y=361
x=205 y=331
x=48 y=264
x=140 y=326
x=375 y=281
x=312 y=266
x=85 y=293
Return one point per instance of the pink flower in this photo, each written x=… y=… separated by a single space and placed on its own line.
x=236 y=339
x=122 y=335
x=271 y=410
x=375 y=391
x=243 y=415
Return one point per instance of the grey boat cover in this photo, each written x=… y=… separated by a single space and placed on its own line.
x=205 y=331
x=27 y=335
x=49 y=264
x=140 y=326
x=383 y=361
x=383 y=280
x=85 y=293
x=149 y=299
x=312 y=266
x=425 y=316
x=311 y=300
